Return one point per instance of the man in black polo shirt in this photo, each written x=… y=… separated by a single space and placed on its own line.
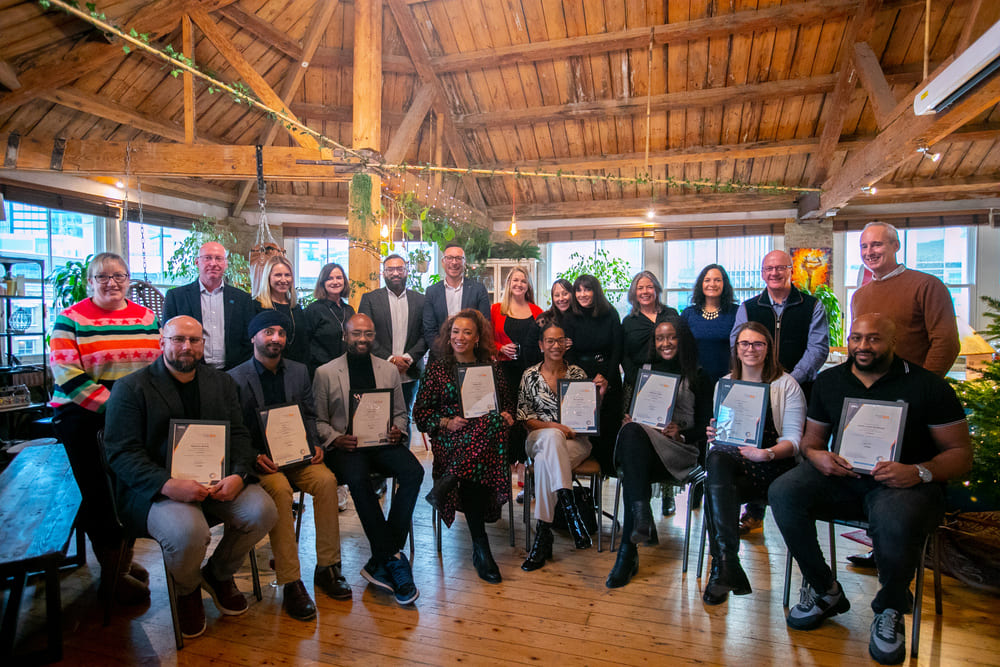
x=902 y=501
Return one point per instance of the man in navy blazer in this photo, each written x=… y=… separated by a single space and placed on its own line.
x=267 y=380
x=224 y=311
x=399 y=328
x=444 y=299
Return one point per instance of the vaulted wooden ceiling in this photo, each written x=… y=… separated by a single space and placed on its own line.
x=798 y=94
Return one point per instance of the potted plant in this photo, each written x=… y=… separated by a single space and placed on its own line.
x=420 y=259
x=69 y=283
x=511 y=249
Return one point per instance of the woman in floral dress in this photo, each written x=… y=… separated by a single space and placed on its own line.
x=470 y=464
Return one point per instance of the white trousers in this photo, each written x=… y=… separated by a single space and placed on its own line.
x=554 y=458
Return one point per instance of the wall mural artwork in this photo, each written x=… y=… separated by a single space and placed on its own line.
x=812 y=267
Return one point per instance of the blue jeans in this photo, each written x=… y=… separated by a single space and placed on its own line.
x=182 y=529
x=899 y=521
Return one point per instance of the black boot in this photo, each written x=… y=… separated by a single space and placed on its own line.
x=482 y=560
x=574 y=522
x=541 y=550
x=626 y=565
x=642 y=521
x=722 y=508
x=442 y=487
x=669 y=506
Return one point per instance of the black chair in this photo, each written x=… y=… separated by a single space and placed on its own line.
x=438 y=530
x=589 y=468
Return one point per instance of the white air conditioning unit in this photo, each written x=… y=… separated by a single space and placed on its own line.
x=976 y=63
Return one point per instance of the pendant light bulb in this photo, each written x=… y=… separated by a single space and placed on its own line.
x=385 y=231
x=650 y=213
x=513 y=227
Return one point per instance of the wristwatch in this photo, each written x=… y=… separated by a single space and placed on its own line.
x=925 y=474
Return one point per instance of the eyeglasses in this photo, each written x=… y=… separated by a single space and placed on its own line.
x=104 y=278
x=180 y=340
x=213 y=258
x=454 y=259
x=757 y=345
x=367 y=335
x=781 y=268
x=388 y=271
x=553 y=341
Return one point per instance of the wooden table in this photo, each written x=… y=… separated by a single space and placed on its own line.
x=39 y=501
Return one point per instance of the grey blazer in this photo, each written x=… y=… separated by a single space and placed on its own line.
x=297 y=390
x=375 y=305
x=332 y=387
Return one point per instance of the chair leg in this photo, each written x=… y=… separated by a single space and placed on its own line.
x=255 y=575
x=172 y=596
x=788 y=577
x=918 y=599
x=614 y=513
x=701 y=547
x=936 y=543
x=529 y=481
x=298 y=515
x=510 y=510
x=687 y=526
x=110 y=593
x=598 y=481
x=438 y=529
x=833 y=549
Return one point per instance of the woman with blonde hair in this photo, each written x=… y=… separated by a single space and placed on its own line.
x=277 y=292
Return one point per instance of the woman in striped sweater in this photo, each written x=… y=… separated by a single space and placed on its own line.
x=95 y=342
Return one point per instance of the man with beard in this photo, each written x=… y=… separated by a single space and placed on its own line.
x=902 y=501
x=397 y=313
x=176 y=512
x=335 y=385
x=266 y=381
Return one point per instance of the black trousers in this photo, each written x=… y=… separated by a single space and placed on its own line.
x=386 y=536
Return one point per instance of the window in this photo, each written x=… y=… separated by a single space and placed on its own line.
x=559 y=260
x=311 y=255
x=48 y=234
x=741 y=256
x=149 y=249
x=944 y=252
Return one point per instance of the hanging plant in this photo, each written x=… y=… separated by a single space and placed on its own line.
x=361 y=196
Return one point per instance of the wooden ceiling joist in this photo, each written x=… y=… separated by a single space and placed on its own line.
x=406 y=133
x=51 y=71
x=637 y=207
x=874 y=82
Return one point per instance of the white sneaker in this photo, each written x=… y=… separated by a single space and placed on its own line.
x=343 y=495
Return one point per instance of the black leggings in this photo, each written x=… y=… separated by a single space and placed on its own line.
x=474 y=500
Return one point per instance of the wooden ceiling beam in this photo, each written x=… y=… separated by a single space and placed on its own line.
x=785 y=16
x=874 y=82
x=671 y=205
x=235 y=57
x=187 y=39
x=8 y=76
x=322 y=13
x=898 y=143
x=406 y=132
x=322 y=112
x=836 y=105
x=970 y=184
x=422 y=62
x=52 y=70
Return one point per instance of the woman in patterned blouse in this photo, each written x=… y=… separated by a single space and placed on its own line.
x=470 y=465
x=95 y=342
x=554 y=448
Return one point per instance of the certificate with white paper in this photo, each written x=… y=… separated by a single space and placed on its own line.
x=198 y=450
x=371 y=417
x=285 y=435
x=740 y=412
x=870 y=431
x=653 y=400
x=579 y=406
x=477 y=390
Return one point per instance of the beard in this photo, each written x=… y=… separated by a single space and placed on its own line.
x=269 y=350
x=182 y=365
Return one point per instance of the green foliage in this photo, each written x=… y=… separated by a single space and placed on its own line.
x=181 y=265
x=419 y=255
x=992 y=331
x=361 y=196
x=475 y=240
x=69 y=283
x=834 y=314
x=511 y=249
x=614 y=273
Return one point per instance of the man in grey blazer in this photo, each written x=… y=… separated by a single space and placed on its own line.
x=223 y=310
x=335 y=385
x=445 y=298
x=173 y=511
x=267 y=380
x=397 y=313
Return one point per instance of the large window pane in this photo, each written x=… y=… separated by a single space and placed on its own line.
x=561 y=258
x=741 y=257
x=150 y=248
x=311 y=255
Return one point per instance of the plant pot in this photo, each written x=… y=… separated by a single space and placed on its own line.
x=422 y=266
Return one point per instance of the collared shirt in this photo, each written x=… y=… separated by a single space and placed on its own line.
x=453 y=297
x=895 y=272
x=817 y=347
x=272 y=384
x=399 y=315
x=213 y=321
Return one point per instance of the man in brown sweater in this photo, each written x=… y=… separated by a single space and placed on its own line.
x=918 y=303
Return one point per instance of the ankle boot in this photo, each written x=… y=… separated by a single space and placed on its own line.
x=574 y=522
x=642 y=521
x=541 y=550
x=127 y=589
x=722 y=509
x=442 y=487
x=482 y=560
x=135 y=569
x=626 y=565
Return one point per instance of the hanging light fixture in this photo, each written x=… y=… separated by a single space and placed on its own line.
x=513 y=212
x=384 y=231
x=926 y=152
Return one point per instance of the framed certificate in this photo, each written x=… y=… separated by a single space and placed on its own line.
x=740 y=412
x=869 y=432
x=653 y=398
x=371 y=417
x=285 y=435
x=579 y=406
x=199 y=450
x=477 y=391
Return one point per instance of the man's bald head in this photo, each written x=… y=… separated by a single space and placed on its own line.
x=359 y=333
x=212 y=263
x=776 y=270
x=183 y=343
x=871 y=345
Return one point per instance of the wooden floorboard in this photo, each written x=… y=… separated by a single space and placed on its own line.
x=561 y=614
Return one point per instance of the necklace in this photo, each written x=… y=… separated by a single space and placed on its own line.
x=333 y=309
x=710 y=314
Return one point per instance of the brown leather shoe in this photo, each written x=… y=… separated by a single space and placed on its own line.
x=748 y=524
x=331 y=581
x=191 y=614
x=224 y=594
x=296 y=601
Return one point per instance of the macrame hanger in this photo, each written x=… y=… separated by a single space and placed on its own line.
x=264 y=246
